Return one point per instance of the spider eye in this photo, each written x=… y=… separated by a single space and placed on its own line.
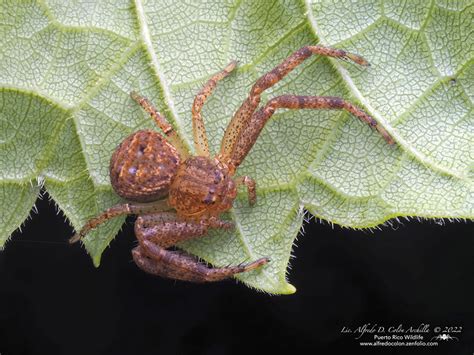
x=210 y=197
x=209 y=200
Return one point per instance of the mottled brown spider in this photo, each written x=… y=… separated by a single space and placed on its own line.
x=178 y=196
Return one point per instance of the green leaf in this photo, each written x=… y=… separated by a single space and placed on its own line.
x=66 y=70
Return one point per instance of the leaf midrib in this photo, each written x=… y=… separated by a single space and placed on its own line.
x=146 y=37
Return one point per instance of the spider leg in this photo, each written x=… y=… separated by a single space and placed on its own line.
x=248 y=107
x=250 y=132
x=157 y=232
x=161 y=121
x=199 y=129
x=251 y=188
x=179 y=266
x=167 y=229
x=118 y=210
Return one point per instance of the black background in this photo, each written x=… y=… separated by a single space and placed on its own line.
x=53 y=301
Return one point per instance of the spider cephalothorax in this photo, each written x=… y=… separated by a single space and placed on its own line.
x=177 y=196
x=202 y=187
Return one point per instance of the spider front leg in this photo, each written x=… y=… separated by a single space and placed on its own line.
x=157 y=232
x=248 y=107
x=251 y=131
x=199 y=130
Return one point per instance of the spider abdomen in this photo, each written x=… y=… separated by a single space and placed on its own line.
x=143 y=166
